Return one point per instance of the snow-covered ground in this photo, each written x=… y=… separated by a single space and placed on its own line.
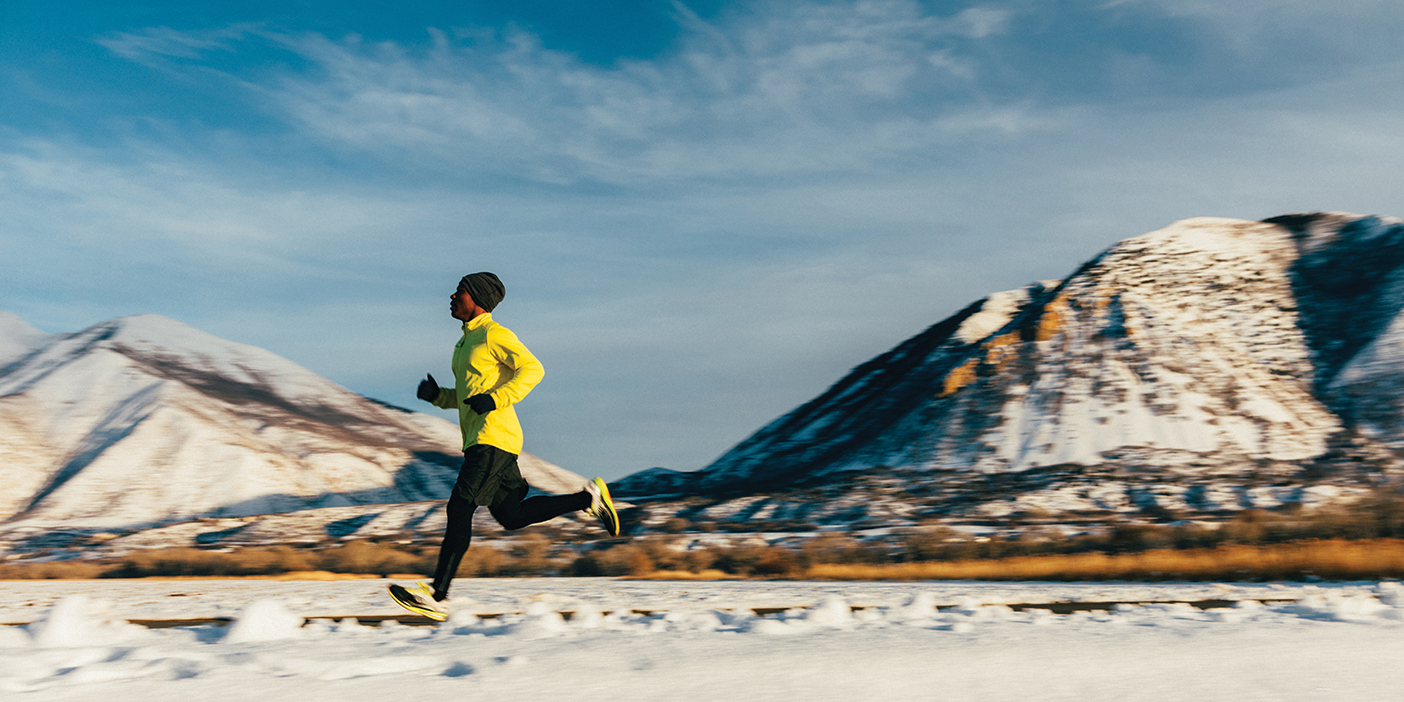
x=701 y=641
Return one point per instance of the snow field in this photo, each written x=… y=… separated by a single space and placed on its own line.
x=1338 y=642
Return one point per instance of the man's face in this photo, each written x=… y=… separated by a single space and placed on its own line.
x=461 y=304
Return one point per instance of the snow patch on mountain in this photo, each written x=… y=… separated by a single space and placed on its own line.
x=994 y=312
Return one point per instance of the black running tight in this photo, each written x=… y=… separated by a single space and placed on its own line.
x=512 y=512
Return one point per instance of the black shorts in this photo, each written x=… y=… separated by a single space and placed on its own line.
x=489 y=475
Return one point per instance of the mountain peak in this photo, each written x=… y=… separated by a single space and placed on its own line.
x=17 y=338
x=10 y=323
x=147 y=323
x=156 y=333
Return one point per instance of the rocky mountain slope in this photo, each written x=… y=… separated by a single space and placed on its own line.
x=142 y=421
x=1211 y=366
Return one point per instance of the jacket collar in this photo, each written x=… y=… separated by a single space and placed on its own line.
x=477 y=322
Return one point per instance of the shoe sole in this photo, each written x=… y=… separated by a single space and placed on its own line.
x=406 y=599
x=611 y=517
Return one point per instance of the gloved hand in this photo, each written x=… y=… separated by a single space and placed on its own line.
x=482 y=404
x=428 y=388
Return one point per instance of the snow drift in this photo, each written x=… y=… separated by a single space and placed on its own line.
x=659 y=641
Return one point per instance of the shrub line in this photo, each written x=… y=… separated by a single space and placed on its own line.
x=839 y=558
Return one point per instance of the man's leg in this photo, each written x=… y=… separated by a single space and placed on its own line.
x=481 y=471
x=457 y=538
x=512 y=512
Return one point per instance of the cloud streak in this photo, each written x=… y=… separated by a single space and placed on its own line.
x=777 y=90
x=794 y=90
x=157 y=45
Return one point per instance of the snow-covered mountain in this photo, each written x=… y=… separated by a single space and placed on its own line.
x=17 y=338
x=143 y=420
x=1213 y=365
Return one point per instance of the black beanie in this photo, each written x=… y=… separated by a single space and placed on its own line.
x=486 y=289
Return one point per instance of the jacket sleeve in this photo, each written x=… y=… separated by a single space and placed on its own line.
x=448 y=399
x=526 y=370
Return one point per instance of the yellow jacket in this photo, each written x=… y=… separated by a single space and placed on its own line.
x=490 y=359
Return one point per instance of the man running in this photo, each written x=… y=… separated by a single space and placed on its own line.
x=492 y=371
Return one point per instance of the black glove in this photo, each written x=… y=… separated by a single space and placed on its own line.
x=482 y=404
x=428 y=389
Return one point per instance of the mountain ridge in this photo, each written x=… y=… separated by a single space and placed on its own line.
x=1211 y=365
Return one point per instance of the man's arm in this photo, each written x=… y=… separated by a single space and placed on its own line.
x=430 y=392
x=448 y=398
x=526 y=370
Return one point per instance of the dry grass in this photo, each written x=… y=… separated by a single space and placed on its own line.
x=294 y=575
x=709 y=574
x=833 y=559
x=353 y=559
x=61 y=570
x=1334 y=559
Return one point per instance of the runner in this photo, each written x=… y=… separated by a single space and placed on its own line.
x=492 y=371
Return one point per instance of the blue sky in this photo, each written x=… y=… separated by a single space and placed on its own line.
x=704 y=212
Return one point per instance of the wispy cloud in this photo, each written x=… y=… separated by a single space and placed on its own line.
x=1287 y=37
x=795 y=89
x=154 y=45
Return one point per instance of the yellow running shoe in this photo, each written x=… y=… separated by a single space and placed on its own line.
x=418 y=599
x=601 y=506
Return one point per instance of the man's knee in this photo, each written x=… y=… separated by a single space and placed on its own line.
x=508 y=510
x=459 y=508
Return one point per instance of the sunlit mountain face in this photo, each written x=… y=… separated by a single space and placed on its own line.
x=1208 y=367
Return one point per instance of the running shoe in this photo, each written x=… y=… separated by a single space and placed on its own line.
x=419 y=599
x=601 y=506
